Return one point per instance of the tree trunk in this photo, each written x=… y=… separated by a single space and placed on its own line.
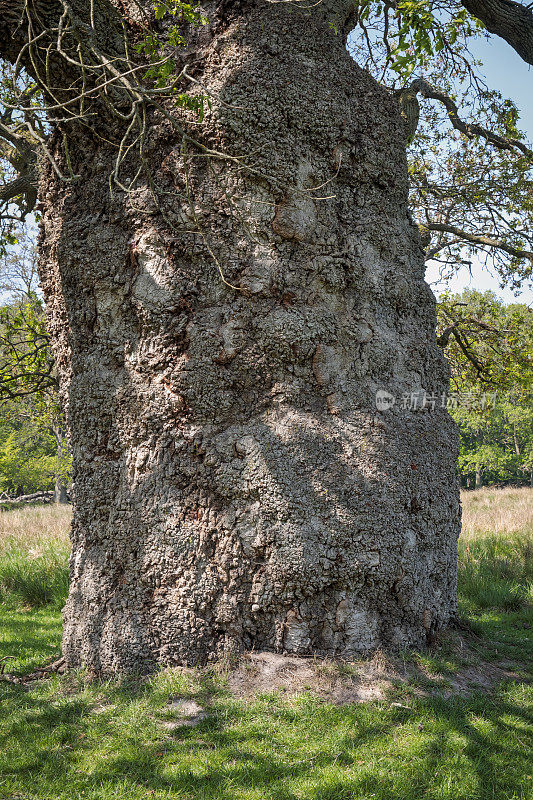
x=479 y=474
x=515 y=441
x=60 y=488
x=60 y=492
x=236 y=486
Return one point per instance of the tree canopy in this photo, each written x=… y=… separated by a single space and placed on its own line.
x=470 y=165
x=34 y=452
x=469 y=162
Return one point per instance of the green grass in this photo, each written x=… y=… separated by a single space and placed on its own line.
x=38 y=579
x=65 y=739
x=496 y=572
x=28 y=639
x=34 y=551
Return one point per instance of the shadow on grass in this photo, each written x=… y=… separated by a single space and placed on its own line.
x=28 y=640
x=109 y=742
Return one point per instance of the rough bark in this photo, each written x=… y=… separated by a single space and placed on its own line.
x=236 y=486
x=507 y=19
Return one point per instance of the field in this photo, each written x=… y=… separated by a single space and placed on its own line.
x=452 y=723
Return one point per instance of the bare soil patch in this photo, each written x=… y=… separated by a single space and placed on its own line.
x=343 y=682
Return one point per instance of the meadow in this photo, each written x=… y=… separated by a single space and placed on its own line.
x=454 y=721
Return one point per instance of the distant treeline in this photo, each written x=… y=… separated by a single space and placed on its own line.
x=490 y=349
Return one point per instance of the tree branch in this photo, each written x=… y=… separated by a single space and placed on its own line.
x=470 y=129
x=480 y=239
x=24 y=185
x=507 y=19
x=467 y=352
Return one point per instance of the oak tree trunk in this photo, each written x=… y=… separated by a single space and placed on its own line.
x=236 y=486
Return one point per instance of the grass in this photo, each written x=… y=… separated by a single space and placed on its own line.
x=34 y=551
x=496 y=572
x=497 y=511
x=109 y=742
x=63 y=738
x=496 y=550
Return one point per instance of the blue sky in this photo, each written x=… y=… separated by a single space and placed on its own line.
x=505 y=71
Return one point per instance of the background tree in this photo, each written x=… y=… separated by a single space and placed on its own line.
x=35 y=453
x=490 y=347
x=21 y=134
x=488 y=343
x=30 y=458
x=496 y=438
x=470 y=165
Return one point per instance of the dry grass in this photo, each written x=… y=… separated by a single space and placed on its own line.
x=497 y=511
x=32 y=528
x=495 y=566
x=34 y=550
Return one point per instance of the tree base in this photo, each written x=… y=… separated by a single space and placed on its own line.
x=322 y=551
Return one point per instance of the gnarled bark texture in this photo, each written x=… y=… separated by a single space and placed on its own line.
x=511 y=20
x=235 y=485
